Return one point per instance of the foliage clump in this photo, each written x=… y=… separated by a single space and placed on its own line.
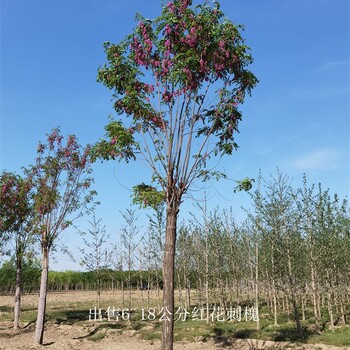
x=177 y=81
x=147 y=196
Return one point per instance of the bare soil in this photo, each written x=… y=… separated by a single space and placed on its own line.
x=92 y=336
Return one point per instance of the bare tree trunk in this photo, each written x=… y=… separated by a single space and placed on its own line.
x=303 y=303
x=179 y=288
x=141 y=280
x=188 y=294
x=330 y=295
x=257 y=284
x=274 y=290
x=274 y=296
x=129 y=277
x=296 y=316
x=148 y=290
x=250 y=282
x=314 y=294
x=330 y=310
x=319 y=303
x=168 y=278
x=238 y=292
x=268 y=297
x=206 y=270
x=18 y=291
x=200 y=291
x=342 y=309
x=293 y=296
x=158 y=290
x=39 y=329
x=98 y=293
x=287 y=308
x=123 y=295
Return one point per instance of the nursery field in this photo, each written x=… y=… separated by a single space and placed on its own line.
x=72 y=323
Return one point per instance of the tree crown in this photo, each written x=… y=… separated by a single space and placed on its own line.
x=178 y=80
x=61 y=179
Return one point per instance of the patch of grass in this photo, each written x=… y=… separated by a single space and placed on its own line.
x=28 y=315
x=245 y=333
x=6 y=309
x=191 y=330
x=6 y=316
x=97 y=337
x=289 y=333
x=150 y=335
x=338 y=337
x=136 y=325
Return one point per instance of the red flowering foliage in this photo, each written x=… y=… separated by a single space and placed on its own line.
x=61 y=182
x=180 y=77
x=15 y=204
x=185 y=50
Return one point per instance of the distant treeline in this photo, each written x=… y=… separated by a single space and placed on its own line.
x=60 y=281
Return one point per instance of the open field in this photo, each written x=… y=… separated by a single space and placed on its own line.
x=68 y=327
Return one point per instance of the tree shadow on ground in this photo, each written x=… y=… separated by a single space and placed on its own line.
x=48 y=344
x=4 y=308
x=70 y=317
x=228 y=340
x=233 y=341
x=256 y=344
x=289 y=334
x=101 y=327
x=10 y=332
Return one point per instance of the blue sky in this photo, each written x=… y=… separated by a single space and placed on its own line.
x=297 y=118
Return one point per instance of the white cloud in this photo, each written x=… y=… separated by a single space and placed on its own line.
x=332 y=64
x=326 y=159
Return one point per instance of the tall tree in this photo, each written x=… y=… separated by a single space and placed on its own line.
x=156 y=231
x=196 y=62
x=307 y=206
x=279 y=224
x=129 y=232
x=16 y=223
x=95 y=255
x=61 y=180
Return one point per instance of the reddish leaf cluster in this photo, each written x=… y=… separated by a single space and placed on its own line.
x=15 y=194
x=58 y=162
x=183 y=48
x=192 y=53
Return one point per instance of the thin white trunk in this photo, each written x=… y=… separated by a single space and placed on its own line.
x=188 y=294
x=17 y=308
x=314 y=289
x=342 y=309
x=207 y=272
x=257 y=284
x=274 y=292
x=39 y=329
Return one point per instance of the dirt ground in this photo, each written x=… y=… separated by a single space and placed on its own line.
x=61 y=337
x=79 y=336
